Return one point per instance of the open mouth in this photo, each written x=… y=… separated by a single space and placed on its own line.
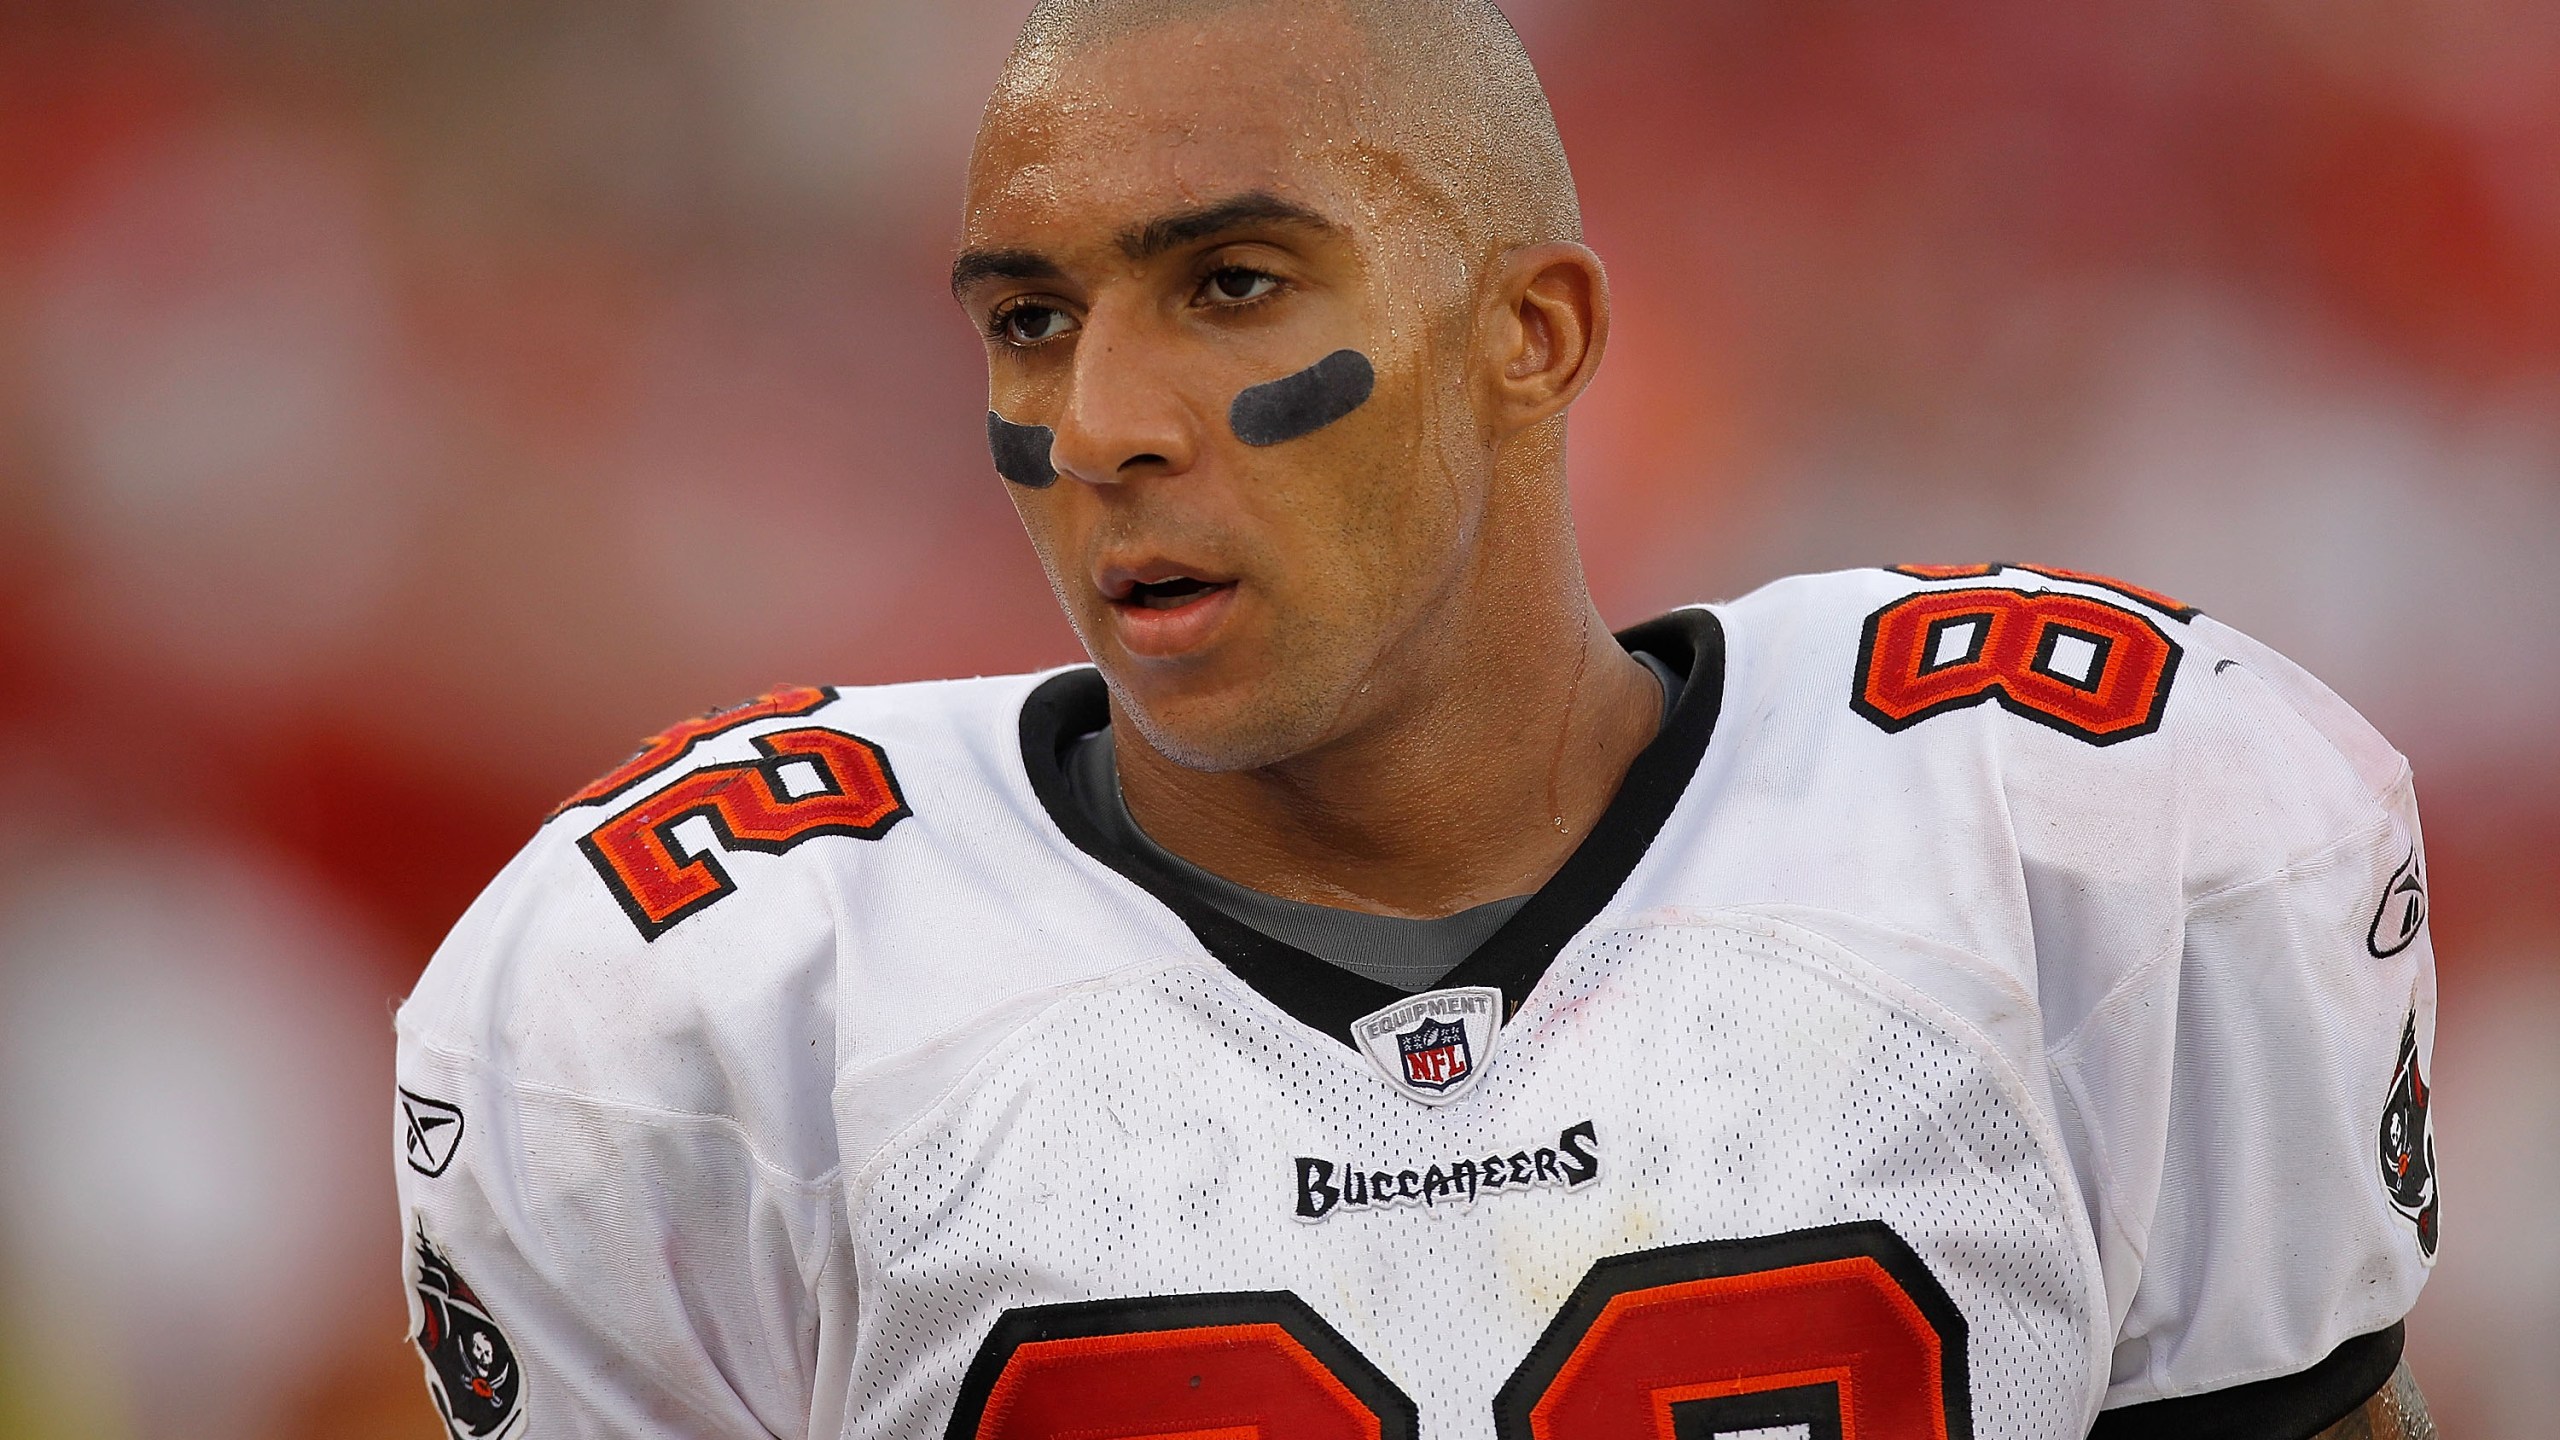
x=1160 y=610
x=1171 y=593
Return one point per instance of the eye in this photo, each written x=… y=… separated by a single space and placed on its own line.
x=1236 y=285
x=1030 y=323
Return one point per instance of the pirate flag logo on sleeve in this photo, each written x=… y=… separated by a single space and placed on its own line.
x=2408 y=1146
x=471 y=1369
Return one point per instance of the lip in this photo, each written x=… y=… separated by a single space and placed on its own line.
x=1176 y=630
x=1117 y=578
x=1171 y=631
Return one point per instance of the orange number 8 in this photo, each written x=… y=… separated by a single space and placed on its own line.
x=1840 y=1330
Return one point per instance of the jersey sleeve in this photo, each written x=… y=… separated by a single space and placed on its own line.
x=603 y=1271
x=614 y=1162
x=2251 y=1102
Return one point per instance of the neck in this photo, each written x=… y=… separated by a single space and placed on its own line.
x=1499 y=750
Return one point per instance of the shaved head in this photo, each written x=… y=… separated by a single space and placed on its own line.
x=1284 y=303
x=1441 y=86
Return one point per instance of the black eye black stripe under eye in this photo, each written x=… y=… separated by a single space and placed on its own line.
x=1265 y=414
x=1299 y=404
x=1021 y=452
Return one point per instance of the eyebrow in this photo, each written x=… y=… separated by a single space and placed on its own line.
x=1184 y=227
x=1148 y=240
x=973 y=266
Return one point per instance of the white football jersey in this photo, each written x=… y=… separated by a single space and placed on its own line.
x=1998 y=996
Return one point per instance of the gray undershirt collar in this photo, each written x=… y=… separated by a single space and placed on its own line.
x=1407 y=954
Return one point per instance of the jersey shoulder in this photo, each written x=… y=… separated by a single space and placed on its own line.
x=2082 y=697
x=676 y=935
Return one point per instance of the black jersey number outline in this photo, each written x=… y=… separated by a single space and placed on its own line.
x=2094 y=671
x=1841 y=1329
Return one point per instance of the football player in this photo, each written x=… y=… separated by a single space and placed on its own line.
x=1372 y=999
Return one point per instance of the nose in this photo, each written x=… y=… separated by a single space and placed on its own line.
x=1124 y=415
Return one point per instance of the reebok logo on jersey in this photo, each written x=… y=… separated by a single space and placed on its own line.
x=1571 y=1163
x=2403 y=911
x=431 y=1131
x=1434 y=1046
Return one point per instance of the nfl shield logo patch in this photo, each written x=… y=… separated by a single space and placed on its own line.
x=1435 y=1054
x=1434 y=1046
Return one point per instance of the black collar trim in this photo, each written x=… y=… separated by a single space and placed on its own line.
x=1068 y=706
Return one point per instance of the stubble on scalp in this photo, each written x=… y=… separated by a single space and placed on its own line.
x=1449 y=100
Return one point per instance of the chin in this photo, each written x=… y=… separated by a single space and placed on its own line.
x=1244 y=726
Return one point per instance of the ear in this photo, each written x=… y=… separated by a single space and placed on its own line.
x=1548 y=323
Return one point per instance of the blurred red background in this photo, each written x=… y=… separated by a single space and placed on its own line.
x=403 y=407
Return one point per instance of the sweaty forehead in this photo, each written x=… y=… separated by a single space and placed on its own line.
x=1085 y=138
